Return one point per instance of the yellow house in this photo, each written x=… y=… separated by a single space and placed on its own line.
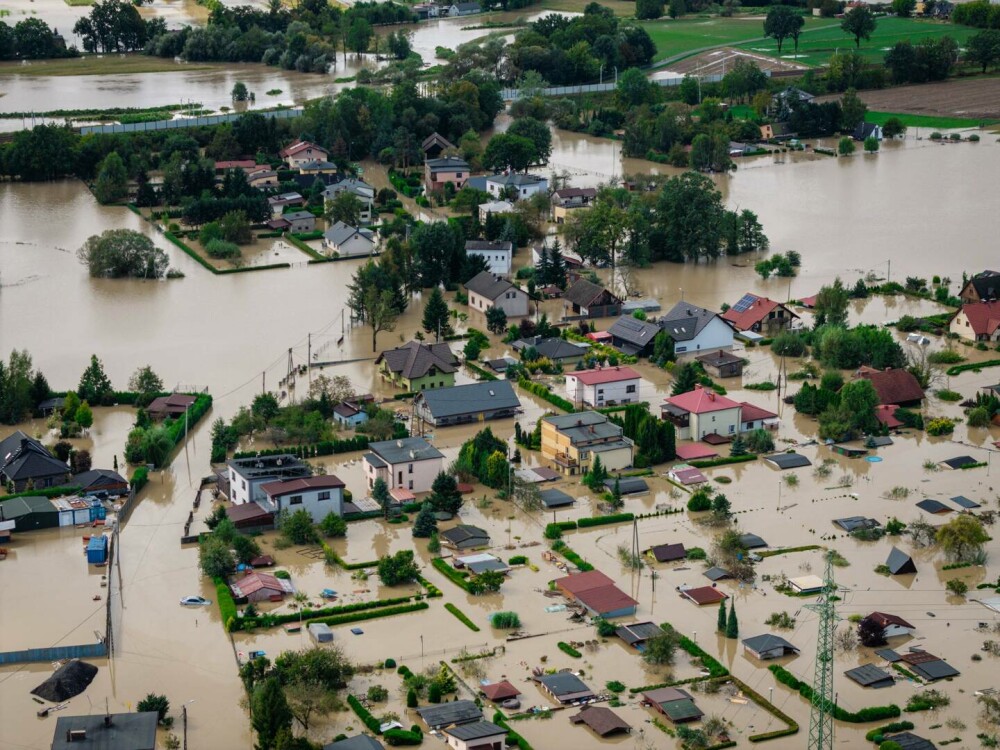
x=570 y=442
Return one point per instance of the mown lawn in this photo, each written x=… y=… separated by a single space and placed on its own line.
x=619 y=7
x=926 y=121
x=816 y=47
x=94 y=65
x=674 y=37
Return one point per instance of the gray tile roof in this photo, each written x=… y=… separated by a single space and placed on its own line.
x=517 y=179
x=405 y=449
x=555 y=498
x=456 y=712
x=127 y=732
x=496 y=247
x=634 y=331
x=22 y=458
x=474 y=398
x=448 y=163
x=414 y=360
x=585 y=427
x=553 y=348
x=583 y=293
x=357 y=742
x=466 y=535
x=788 y=460
x=628 y=485
x=340 y=233
x=563 y=683
x=868 y=675
x=478 y=730
x=899 y=562
x=766 y=642
x=485 y=284
x=685 y=321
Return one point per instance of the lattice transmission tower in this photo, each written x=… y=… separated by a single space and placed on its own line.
x=821 y=718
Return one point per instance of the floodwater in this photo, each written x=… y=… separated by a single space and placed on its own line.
x=845 y=216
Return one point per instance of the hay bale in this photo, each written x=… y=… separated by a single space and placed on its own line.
x=71 y=679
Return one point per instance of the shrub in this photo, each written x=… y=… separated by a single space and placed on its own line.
x=403 y=737
x=615 y=686
x=222 y=249
x=927 y=700
x=948 y=395
x=518 y=560
x=874 y=713
x=390 y=663
x=940 y=426
x=567 y=649
x=364 y=714
x=505 y=620
x=696 y=553
x=700 y=501
x=957 y=586
x=553 y=531
x=461 y=616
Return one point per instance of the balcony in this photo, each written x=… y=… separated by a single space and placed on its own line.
x=566 y=461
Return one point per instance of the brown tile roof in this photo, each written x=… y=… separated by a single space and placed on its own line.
x=919 y=657
x=984 y=317
x=666 y=695
x=884 y=619
x=579 y=582
x=499 y=691
x=760 y=308
x=414 y=360
x=584 y=293
x=602 y=720
x=704 y=595
x=668 y=552
x=288 y=486
x=893 y=386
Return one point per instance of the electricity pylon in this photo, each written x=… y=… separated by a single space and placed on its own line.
x=821 y=718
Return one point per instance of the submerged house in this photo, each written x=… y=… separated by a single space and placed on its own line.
x=588 y=300
x=244 y=480
x=409 y=463
x=597 y=593
x=900 y=563
x=24 y=460
x=565 y=687
x=319 y=496
x=415 y=366
x=487 y=290
x=602 y=386
x=894 y=386
x=759 y=315
x=696 y=329
x=768 y=646
x=571 y=441
x=460 y=404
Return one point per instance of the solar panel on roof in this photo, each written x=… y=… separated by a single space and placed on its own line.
x=745 y=303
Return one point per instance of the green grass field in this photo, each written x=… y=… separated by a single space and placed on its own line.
x=92 y=65
x=688 y=34
x=816 y=47
x=926 y=121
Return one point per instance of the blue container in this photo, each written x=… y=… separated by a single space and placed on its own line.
x=97 y=550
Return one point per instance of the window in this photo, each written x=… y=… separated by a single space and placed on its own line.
x=600 y=391
x=411 y=469
x=411 y=485
x=630 y=389
x=244 y=484
x=732 y=429
x=295 y=500
x=324 y=495
x=400 y=482
x=713 y=417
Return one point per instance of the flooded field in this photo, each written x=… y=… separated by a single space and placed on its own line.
x=846 y=217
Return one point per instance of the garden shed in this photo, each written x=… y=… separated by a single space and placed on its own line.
x=783 y=461
x=868 y=675
x=320 y=632
x=768 y=646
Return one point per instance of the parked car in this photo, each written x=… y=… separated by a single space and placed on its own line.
x=195 y=601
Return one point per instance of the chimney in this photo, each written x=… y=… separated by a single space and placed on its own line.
x=711 y=395
x=399 y=443
x=107 y=720
x=76 y=735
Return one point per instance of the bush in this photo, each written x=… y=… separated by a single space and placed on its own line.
x=461 y=616
x=584 y=523
x=222 y=249
x=364 y=714
x=696 y=553
x=390 y=663
x=553 y=531
x=567 y=649
x=505 y=620
x=403 y=737
x=700 y=501
x=940 y=426
x=518 y=560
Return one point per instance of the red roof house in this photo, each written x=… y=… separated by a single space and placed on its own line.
x=704 y=595
x=498 y=692
x=893 y=386
x=759 y=314
x=597 y=593
x=753 y=416
x=978 y=321
x=886 y=414
x=171 y=406
x=222 y=166
x=261 y=587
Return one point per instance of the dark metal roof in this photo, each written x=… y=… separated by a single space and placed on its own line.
x=126 y=732
x=465 y=535
x=22 y=458
x=964 y=502
x=553 y=348
x=685 y=321
x=909 y=741
x=485 y=284
x=682 y=710
x=788 y=460
x=853 y=523
x=868 y=675
x=888 y=654
x=767 y=642
x=934 y=670
x=456 y=712
x=563 y=683
x=669 y=552
x=478 y=730
x=959 y=461
x=473 y=398
x=899 y=562
x=752 y=541
x=716 y=573
x=414 y=360
x=634 y=331
x=933 y=506
x=638 y=632
x=628 y=485
x=555 y=498
x=357 y=742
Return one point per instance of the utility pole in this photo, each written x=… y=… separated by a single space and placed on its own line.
x=263 y=382
x=821 y=718
x=309 y=360
x=289 y=382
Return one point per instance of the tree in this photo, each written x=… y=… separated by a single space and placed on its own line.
x=235 y=227
x=852 y=110
x=859 y=22
x=359 y=35
x=425 y=523
x=720 y=623
x=270 y=713
x=240 y=92
x=870 y=633
x=685 y=378
x=506 y=151
x=146 y=383
x=871 y=144
x=647 y=10
x=660 y=649
x=845 y=146
x=95 y=386
x=471 y=350
x=84 y=416
x=759 y=441
x=893 y=127
x=721 y=507
x=298 y=527
x=445 y=496
x=663 y=349
x=983 y=48
x=594 y=478
x=437 y=318
x=903 y=8
x=738 y=447
x=119 y=253
x=380 y=494
x=487 y=582
x=265 y=407
x=215 y=558
x=616 y=494
x=831 y=304
x=732 y=625
x=112 y=180
x=962 y=538
x=634 y=89
x=780 y=23
x=538 y=133
x=345 y=207
x=496 y=320
x=399 y=568
x=382 y=313
x=309 y=699
x=154 y=702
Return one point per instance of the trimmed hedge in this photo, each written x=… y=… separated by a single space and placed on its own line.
x=787 y=550
x=404 y=736
x=48 y=492
x=715 y=669
x=546 y=395
x=461 y=616
x=371 y=614
x=197 y=410
x=708 y=463
x=483 y=374
x=513 y=738
x=365 y=715
x=297 y=241
x=874 y=713
x=584 y=523
x=567 y=649
x=227 y=606
x=972 y=366
x=325 y=448
x=455 y=576
x=139 y=478
x=793 y=726
x=563 y=549
x=268 y=620
x=333 y=557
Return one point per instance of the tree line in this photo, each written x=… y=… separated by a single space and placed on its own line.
x=32 y=39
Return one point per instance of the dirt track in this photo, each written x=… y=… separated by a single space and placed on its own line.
x=976 y=98
x=718 y=61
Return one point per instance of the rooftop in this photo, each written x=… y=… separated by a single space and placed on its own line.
x=451 y=163
x=563 y=683
x=600 y=375
x=132 y=731
x=893 y=386
x=602 y=720
x=469 y=399
x=415 y=359
x=767 y=642
x=456 y=712
x=868 y=675
x=704 y=595
x=475 y=731
x=585 y=293
x=516 y=179
x=486 y=285
x=637 y=334
x=752 y=309
x=702 y=401
x=685 y=321
x=405 y=449
x=301 y=484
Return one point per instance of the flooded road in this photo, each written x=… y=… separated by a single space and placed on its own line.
x=844 y=216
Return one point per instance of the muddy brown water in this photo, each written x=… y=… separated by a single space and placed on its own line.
x=851 y=216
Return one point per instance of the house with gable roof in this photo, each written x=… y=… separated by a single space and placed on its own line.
x=696 y=329
x=759 y=315
x=416 y=366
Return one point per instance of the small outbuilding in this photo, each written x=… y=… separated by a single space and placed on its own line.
x=892 y=625
x=555 y=499
x=752 y=541
x=715 y=573
x=446 y=714
x=868 y=675
x=674 y=703
x=602 y=721
x=637 y=633
x=464 y=537
x=320 y=632
x=628 y=485
x=703 y=595
x=806 y=584
x=669 y=552
x=785 y=461
x=958 y=462
x=261 y=587
x=97 y=550
x=964 y=502
x=722 y=364
x=498 y=692
x=479 y=735
x=768 y=646
x=909 y=741
x=900 y=563
x=597 y=593
x=686 y=475
x=565 y=687
x=855 y=523
x=357 y=742
x=934 y=507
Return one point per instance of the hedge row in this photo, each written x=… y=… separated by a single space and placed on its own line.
x=325 y=448
x=372 y=614
x=715 y=669
x=432 y=591
x=564 y=549
x=461 y=616
x=404 y=736
x=722 y=461
x=787 y=550
x=227 y=607
x=567 y=649
x=269 y=620
x=220 y=271
x=483 y=374
x=139 y=478
x=972 y=366
x=365 y=715
x=48 y=492
x=455 y=576
x=777 y=713
x=298 y=242
x=584 y=523
x=332 y=556
x=874 y=713
x=546 y=395
x=197 y=410
x=513 y=738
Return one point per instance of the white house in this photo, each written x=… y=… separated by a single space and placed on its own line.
x=364 y=192
x=495 y=208
x=348 y=242
x=520 y=185
x=603 y=386
x=319 y=496
x=498 y=255
x=302 y=152
x=486 y=291
x=702 y=412
x=893 y=625
x=480 y=735
x=246 y=475
x=695 y=329
x=753 y=417
x=411 y=463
